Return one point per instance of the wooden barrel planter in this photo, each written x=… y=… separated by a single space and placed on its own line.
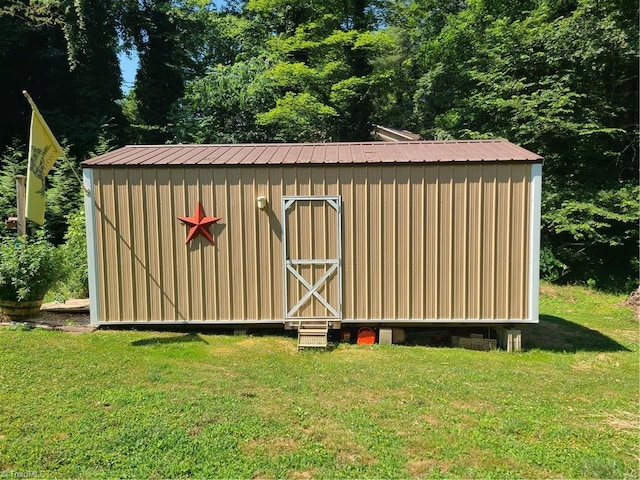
x=18 y=311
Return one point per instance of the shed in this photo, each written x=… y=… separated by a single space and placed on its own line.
x=441 y=232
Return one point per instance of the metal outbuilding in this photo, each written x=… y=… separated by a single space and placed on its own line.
x=345 y=233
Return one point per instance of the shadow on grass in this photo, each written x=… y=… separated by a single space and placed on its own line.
x=186 y=338
x=559 y=335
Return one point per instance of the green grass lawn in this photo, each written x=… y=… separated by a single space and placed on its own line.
x=158 y=405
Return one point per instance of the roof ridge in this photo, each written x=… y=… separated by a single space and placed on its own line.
x=289 y=144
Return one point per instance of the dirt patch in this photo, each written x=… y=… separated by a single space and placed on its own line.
x=624 y=421
x=345 y=456
x=430 y=419
x=276 y=446
x=548 y=291
x=301 y=474
x=634 y=301
x=71 y=316
x=621 y=421
x=427 y=467
x=598 y=362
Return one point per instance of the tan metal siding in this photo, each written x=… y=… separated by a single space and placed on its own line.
x=165 y=208
x=444 y=274
x=373 y=238
x=416 y=216
x=431 y=248
x=432 y=242
x=264 y=244
x=182 y=272
x=224 y=241
x=138 y=242
x=357 y=299
x=520 y=232
x=460 y=265
x=105 y=243
x=475 y=253
x=405 y=256
x=389 y=227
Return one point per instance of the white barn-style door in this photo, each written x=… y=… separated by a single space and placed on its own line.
x=312 y=252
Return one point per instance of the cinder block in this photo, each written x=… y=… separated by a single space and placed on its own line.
x=513 y=340
x=385 y=336
x=399 y=335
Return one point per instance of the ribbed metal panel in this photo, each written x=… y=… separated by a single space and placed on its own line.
x=419 y=242
x=309 y=153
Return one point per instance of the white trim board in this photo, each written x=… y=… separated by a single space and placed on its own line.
x=92 y=258
x=534 y=240
x=368 y=321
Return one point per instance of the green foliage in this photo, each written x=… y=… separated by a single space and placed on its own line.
x=560 y=80
x=75 y=45
x=298 y=118
x=12 y=163
x=63 y=194
x=394 y=81
x=92 y=45
x=592 y=219
x=221 y=106
x=29 y=267
x=557 y=77
x=27 y=29
x=595 y=235
x=159 y=81
x=317 y=48
x=551 y=268
x=291 y=77
x=74 y=251
x=176 y=41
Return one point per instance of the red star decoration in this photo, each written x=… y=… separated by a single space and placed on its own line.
x=199 y=224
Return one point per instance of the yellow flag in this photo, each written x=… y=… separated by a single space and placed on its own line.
x=44 y=150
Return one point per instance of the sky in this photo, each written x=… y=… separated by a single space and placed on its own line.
x=128 y=67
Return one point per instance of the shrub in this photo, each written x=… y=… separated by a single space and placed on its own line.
x=75 y=254
x=29 y=267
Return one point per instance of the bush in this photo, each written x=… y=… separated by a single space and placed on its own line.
x=13 y=161
x=75 y=254
x=29 y=267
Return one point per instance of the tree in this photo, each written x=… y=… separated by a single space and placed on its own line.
x=32 y=45
x=159 y=80
x=176 y=41
x=221 y=106
x=322 y=53
x=92 y=45
x=303 y=87
x=298 y=117
x=561 y=81
x=558 y=77
x=63 y=195
x=71 y=44
x=13 y=162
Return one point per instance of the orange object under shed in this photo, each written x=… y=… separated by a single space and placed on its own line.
x=366 y=336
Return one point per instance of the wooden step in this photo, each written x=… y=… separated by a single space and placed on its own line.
x=313 y=334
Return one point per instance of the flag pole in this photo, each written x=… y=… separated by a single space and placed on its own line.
x=53 y=138
x=20 y=201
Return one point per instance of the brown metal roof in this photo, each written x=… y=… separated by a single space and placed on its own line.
x=314 y=153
